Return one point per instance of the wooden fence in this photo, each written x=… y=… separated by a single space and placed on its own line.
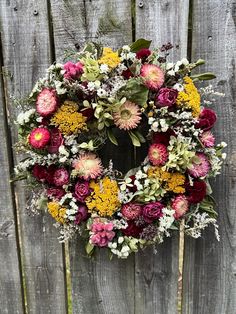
x=35 y=273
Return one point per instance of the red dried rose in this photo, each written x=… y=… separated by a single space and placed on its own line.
x=152 y=211
x=39 y=172
x=143 y=54
x=206 y=120
x=55 y=193
x=55 y=141
x=195 y=193
x=132 y=230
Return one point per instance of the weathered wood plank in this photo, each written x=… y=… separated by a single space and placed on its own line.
x=11 y=289
x=99 y=286
x=26 y=53
x=156 y=276
x=209 y=266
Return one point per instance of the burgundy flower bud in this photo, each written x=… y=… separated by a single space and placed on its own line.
x=55 y=141
x=195 y=193
x=81 y=215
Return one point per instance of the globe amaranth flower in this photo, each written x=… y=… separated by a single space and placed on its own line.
x=81 y=190
x=196 y=192
x=180 y=205
x=158 y=154
x=57 y=212
x=39 y=138
x=82 y=214
x=127 y=116
x=55 y=193
x=143 y=54
x=166 y=97
x=102 y=233
x=88 y=166
x=131 y=210
x=61 y=177
x=68 y=120
x=72 y=70
x=152 y=211
x=46 y=102
x=153 y=76
x=207 y=139
x=206 y=120
x=200 y=166
x=132 y=230
x=56 y=141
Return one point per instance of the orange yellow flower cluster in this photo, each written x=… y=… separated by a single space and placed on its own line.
x=57 y=212
x=109 y=57
x=104 y=198
x=172 y=181
x=189 y=98
x=68 y=120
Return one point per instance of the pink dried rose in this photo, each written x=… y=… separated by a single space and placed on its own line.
x=82 y=190
x=131 y=210
x=73 y=70
x=55 y=193
x=61 y=177
x=152 y=211
x=47 y=102
x=153 y=76
x=166 y=97
x=102 y=233
x=81 y=215
x=55 y=141
x=39 y=138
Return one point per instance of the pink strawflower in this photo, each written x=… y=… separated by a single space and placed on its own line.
x=72 y=70
x=128 y=116
x=39 y=138
x=153 y=76
x=47 y=102
x=158 y=154
x=102 y=233
x=207 y=139
x=88 y=166
x=61 y=177
x=200 y=166
x=180 y=205
x=131 y=210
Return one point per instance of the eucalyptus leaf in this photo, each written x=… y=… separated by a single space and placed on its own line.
x=89 y=248
x=139 y=44
x=112 y=137
x=139 y=136
x=203 y=76
x=135 y=139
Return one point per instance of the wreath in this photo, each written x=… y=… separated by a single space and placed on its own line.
x=79 y=105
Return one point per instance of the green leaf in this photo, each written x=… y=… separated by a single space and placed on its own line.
x=89 y=248
x=208 y=205
x=112 y=137
x=134 y=138
x=203 y=76
x=139 y=136
x=139 y=44
x=135 y=91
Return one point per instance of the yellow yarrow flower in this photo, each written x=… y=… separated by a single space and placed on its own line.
x=190 y=97
x=109 y=57
x=57 y=212
x=68 y=120
x=104 y=198
x=171 y=181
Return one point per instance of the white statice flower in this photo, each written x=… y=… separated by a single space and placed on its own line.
x=140 y=175
x=126 y=48
x=102 y=93
x=59 y=88
x=166 y=220
x=163 y=125
x=121 y=68
x=92 y=86
x=169 y=65
x=171 y=73
x=104 y=68
x=89 y=146
x=128 y=56
x=24 y=117
x=179 y=87
x=200 y=222
x=185 y=61
x=63 y=154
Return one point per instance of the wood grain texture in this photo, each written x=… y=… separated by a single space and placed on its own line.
x=156 y=276
x=26 y=53
x=209 y=266
x=11 y=292
x=100 y=286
